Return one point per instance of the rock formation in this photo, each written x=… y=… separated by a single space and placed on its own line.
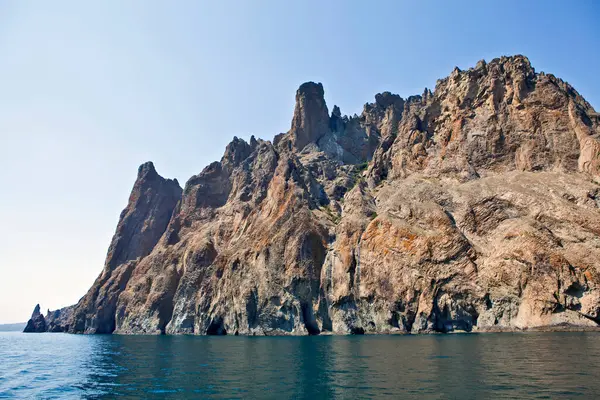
x=473 y=207
x=141 y=225
x=37 y=322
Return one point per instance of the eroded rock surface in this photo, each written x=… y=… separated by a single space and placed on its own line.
x=37 y=322
x=472 y=207
x=141 y=225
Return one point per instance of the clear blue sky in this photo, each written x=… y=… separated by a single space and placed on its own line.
x=90 y=90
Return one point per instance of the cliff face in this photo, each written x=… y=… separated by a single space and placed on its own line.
x=475 y=207
x=141 y=225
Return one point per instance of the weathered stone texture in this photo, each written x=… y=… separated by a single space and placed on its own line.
x=472 y=207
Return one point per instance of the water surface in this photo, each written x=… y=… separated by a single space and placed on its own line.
x=471 y=366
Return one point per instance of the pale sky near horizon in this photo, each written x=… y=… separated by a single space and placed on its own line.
x=90 y=90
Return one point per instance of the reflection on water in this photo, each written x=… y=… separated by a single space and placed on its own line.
x=531 y=365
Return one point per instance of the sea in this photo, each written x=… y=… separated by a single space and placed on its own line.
x=563 y=365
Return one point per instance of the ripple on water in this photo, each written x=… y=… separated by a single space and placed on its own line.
x=531 y=366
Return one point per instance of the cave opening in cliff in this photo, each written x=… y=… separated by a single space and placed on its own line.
x=216 y=328
x=309 y=320
x=357 y=330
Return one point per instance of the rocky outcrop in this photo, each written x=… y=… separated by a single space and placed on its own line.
x=141 y=225
x=59 y=320
x=311 y=117
x=37 y=322
x=474 y=207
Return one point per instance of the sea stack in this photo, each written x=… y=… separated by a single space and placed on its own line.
x=37 y=322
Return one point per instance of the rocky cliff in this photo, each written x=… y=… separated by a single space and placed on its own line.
x=37 y=322
x=473 y=207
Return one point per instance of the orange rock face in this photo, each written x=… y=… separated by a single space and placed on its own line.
x=473 y=207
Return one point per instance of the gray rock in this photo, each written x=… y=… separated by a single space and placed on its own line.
x=37 y=322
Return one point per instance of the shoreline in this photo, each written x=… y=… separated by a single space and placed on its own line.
x=545 y=329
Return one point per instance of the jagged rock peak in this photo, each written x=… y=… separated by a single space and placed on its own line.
x=36 y=311
x=426 y=95
x=517 y=66
x=147 y=169
x=512 y=65
x=37 y=322
x=236 y=152
x=336 y=112
x=516 y=60
x=146 y=216
x=384 y=101
x=311 y=117
x=387 y=99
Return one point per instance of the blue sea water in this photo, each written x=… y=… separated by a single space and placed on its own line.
x=470 y=366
